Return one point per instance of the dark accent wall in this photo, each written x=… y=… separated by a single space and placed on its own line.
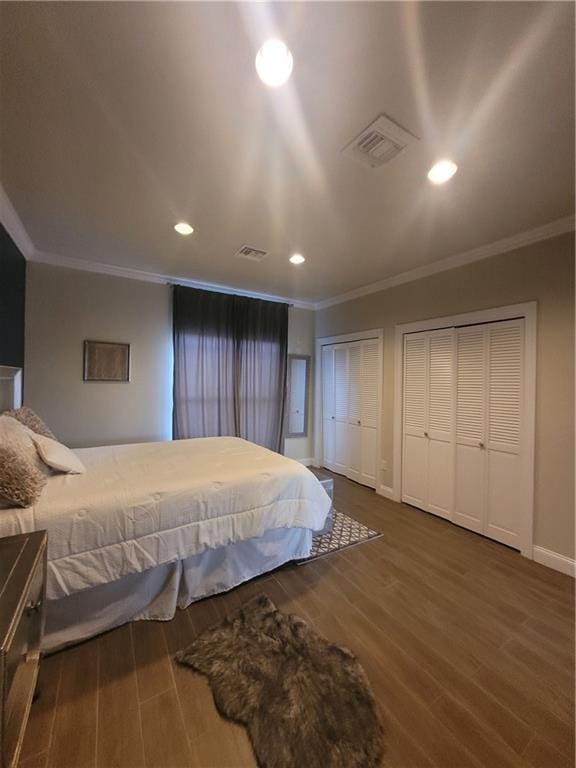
x=12 y=298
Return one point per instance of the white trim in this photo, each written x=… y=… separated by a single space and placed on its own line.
x=374 y=333
x=14 y=226
x=155 y=277
x=387 y=492
x=555 y=560
x=10 y=219
x=554 y=228
x=527 y=310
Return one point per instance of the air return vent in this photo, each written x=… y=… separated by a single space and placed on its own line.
x=250 y=253
x=379 y=143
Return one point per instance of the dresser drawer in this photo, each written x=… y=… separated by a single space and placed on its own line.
x=25 y=644
x=22 y=591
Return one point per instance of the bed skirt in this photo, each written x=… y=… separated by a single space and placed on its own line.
x=156 y=593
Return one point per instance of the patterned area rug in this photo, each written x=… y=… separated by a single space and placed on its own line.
x=346 y=532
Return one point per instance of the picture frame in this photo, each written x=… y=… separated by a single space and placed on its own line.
x=106 y=361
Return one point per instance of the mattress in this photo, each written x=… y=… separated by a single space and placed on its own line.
x=140 y=506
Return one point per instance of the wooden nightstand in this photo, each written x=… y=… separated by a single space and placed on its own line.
x=22 y=593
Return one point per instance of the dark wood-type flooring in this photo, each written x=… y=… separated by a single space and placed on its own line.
x=468 y=646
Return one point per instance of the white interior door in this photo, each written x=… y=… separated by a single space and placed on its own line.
x=351 y=394
x=328 y=417
x=470 y=469
x=507 y=472
x=369 y=411
x=354 y=411
x=341 y=450
x=439 y=431
x=414 y=446
x=464 y=427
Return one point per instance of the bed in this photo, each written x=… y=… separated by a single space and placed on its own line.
x=154 y=526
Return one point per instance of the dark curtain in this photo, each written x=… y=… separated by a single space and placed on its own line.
x=230 y=362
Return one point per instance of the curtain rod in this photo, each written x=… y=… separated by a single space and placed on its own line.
x=231 y=292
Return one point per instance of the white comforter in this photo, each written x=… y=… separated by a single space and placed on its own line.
x=142 y=505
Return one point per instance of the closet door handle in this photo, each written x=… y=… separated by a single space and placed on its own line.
x=332 y=417
x=480 y=444
x=425 y=434
x=359 y=422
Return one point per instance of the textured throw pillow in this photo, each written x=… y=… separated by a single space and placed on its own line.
x=16 y=436
x=20 y=482
x=58 y=456
x=31 y=420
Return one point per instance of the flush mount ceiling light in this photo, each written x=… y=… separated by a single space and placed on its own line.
x=274 y=63
x=183 y=229
x=297 y=258
x=442 y=171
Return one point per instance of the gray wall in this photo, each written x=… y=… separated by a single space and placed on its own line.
x=542 y=272
x=66 y=306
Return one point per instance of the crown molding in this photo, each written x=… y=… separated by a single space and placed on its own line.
x=83 y=265
x=14 y=226
x=554 y=228
x=17 y=231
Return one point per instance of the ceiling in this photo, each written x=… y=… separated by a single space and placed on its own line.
x=120 y=119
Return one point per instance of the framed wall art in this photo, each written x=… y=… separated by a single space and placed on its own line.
x=106 y=361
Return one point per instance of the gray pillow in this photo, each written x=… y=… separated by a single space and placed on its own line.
x=19 y=438
x=30 y=419
x=20 y=482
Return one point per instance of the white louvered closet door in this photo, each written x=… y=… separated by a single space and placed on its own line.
x=470 y=471
x=341 y=450
x=354 y=411
x=440 y=422
x=328 y=416
x=464 y=451
x=415 y=442
x=369 y=411
x=506 y=461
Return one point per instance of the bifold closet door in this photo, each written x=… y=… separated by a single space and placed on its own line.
x=414 y=444
x=328 y=415
x=471 y=386
x=428 y=465
x=464 y=445
x=491 y=461
x=354 y=411
x=350 y=409
x=341 y=449
x=507 y=469
x=370 y=392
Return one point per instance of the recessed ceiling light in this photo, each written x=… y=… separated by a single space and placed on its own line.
x=297 y=258
x=274 y=63
x=442 y=171
x=183 y=229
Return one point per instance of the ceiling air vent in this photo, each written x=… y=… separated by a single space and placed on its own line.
x=379 y=143
x=252 y=254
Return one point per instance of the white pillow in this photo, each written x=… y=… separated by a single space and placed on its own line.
x=58 y=456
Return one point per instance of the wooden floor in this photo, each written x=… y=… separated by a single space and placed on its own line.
x=468 y=646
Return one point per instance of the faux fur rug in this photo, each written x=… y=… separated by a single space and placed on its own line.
x=305 y=702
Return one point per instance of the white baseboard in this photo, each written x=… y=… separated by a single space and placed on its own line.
x=555 y=560
x=388 y=493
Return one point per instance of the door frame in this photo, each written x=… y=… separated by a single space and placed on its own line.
x=529 y=312
x=324 y=341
